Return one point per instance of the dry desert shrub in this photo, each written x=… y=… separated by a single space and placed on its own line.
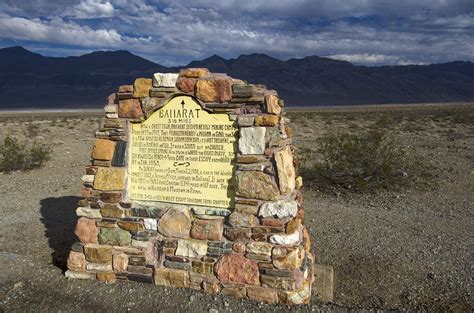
x=16 y=155
x=365 y=160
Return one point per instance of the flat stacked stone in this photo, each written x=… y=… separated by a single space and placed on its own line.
x=258 y=248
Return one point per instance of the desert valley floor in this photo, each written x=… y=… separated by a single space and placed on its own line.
x=408 y=249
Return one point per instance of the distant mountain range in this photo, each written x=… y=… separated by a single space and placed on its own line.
x=30 y=80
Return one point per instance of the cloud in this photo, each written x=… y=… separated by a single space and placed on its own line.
x=57 y=31
x=90 y=9
x=175 y=32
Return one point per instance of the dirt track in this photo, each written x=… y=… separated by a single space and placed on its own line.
x=392 y=250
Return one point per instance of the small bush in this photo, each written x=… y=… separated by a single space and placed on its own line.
x=364 y=161
x=16 y=155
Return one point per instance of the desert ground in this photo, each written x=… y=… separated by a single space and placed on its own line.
x=408 y=249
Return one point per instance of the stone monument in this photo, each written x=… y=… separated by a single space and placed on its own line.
x=193 y=183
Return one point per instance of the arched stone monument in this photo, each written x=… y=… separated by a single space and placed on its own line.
x=193 y=183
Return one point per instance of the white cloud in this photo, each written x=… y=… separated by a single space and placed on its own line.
x=176 y=31
x=57 y=31
x=90 y=9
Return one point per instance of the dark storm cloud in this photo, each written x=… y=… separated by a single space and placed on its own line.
x=177 y=31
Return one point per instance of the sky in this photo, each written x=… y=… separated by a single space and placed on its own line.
x=175 y=32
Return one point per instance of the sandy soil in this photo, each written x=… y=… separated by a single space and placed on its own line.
x=409 y=249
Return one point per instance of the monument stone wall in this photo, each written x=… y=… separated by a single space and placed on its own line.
x=193 y=183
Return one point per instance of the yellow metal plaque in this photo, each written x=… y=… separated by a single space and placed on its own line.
x=183 y=154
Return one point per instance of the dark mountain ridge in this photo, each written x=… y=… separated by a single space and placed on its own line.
x=29 y=79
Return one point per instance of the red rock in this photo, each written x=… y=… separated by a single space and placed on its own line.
x=267 y=295
x=91 y=170
x=130 y=108
x=207 y=229
x=76 y=261
x=275 y=222
x=86 y=192
x=214 y=90
x=186 y=85
x=238 y=234
x=237 y=268
x=86 y=230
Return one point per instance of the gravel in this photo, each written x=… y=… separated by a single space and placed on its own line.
x=409 y=250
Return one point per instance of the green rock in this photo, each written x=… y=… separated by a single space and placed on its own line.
x=119 y=154
x=114 y=236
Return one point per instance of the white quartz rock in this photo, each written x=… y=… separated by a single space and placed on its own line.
x=165 y=79
x=150 y=223
x=252 y=140
x=286 y=239
x=282 y=208
x=191 y=248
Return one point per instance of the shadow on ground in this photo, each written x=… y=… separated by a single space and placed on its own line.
x=59 y=218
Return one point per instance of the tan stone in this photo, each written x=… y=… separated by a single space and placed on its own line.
x=131 y=226
x=207 y=229
x=300 y=296
x=111 y=210
x=267 y=120
x=175 y=223
x=287 y=257
x=213 y=287
x=324 y=282
x=126 y=88
x=194 y=72
x=286 y=170
x=299 y=182
x=120 y=262
x=76 y=261
x=98 y=253
x=293 y=226
x=86 y=230
x=103 y=149
x=171 y=277
x=257 y=247
x=141 y=87
x=106 y=276
x=214 y=90
x=271 y=102
x=253 y=184
x=130 y=108
x=267 y=295
x=108 y=179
